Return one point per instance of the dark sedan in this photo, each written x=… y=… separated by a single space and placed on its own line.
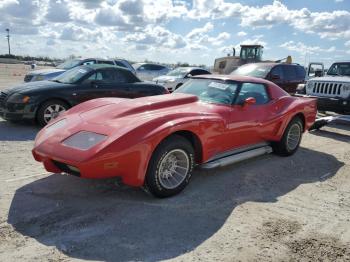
x=44 y=100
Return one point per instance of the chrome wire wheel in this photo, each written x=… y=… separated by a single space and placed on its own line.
x=293 y=137
x=173 y=168
x=53 y=111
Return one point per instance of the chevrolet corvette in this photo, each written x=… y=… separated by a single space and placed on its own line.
x=155 y=142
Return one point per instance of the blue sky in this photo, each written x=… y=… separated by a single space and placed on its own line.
x=172 y=31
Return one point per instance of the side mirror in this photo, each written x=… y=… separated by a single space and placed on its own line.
x=275 y=77
x=249 y=101
x=188 y=75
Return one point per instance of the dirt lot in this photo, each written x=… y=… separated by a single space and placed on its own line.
x=266 y=209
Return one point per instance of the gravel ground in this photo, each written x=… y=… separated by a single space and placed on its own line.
x=265 y=209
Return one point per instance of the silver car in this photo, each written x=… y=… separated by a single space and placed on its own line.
x=148 y=71
x=175 y=78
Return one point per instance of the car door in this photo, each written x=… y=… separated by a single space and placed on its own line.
x=96 y=85
x=121 y=85
x=276 y=76
x=246 y=121
x=291 y=79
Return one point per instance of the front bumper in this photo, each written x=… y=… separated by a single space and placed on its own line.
x=338 y=105
x=170 y=86
x=17 y=112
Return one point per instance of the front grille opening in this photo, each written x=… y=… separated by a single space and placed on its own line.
x=72 y=170
x=27 y=78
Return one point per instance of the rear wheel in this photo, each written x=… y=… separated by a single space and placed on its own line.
x=50 y=110
x=291 y=138
x=170 y=167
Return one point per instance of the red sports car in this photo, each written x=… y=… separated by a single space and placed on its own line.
x=210 y=121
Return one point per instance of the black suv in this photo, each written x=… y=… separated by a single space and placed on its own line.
x=287 y=76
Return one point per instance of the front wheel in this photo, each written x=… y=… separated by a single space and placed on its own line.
x=170 y=167
x=50 y=110
x=291 y=138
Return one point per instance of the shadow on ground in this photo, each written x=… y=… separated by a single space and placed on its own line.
x=333 y=134
x=95 y=220
x=22 y=131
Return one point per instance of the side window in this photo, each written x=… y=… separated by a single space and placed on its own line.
x=258 y=91
x=289 y=72
x=89 y=62
x=120 y=77
x=277 y=71
x=118 y=63
x=105 y=62
x=145 y=67
x=156 y=67
x=300 y=72
x=197 y=72
x=96 y=76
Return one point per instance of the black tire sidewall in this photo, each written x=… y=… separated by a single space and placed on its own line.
x=152 y=177
x=281 y=147
x=40 y=115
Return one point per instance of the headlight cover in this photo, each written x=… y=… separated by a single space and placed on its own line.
x=84 y=140
x=38 y=78
x=346 y=87
x=18 y=98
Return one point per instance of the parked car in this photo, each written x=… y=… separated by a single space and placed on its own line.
x=49 y=73
x=332 y=90
x=148 y=71
x=287 y=76
x=177 y=77
x=44 y=100
x=210 y=121
x=124 y=63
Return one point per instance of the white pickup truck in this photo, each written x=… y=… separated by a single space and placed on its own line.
x=332 y=90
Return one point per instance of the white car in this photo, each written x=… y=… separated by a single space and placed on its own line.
x=148 y=71
x=175 y=78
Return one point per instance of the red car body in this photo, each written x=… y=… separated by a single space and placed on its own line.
x=134 y=128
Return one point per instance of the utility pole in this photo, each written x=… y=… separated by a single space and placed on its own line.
x=8 y=39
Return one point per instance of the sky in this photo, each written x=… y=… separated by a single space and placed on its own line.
x=171 y=31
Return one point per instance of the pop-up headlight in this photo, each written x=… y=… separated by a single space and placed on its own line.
x=84 y=140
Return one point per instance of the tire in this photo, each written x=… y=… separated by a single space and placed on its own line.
x=164 y=178
x=291 y=138
x=57 y=106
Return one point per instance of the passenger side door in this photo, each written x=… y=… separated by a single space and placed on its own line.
x=247 y=120
x=277 y=76
x=97 y=85
x=291 y=78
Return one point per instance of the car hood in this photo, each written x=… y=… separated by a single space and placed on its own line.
x=34 y=86
x=108 y=111
x=46 y=71
x=332 y=79
x=166 y=78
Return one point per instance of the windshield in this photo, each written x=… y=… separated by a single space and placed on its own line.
x=178 y=72
x=73 y=75
x=210 y=90
x=254 y=70
x=69 y=64
x=339 y=69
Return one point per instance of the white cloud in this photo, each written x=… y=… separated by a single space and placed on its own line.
x=303 y=49
x=241 y=33
x=333 y=25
